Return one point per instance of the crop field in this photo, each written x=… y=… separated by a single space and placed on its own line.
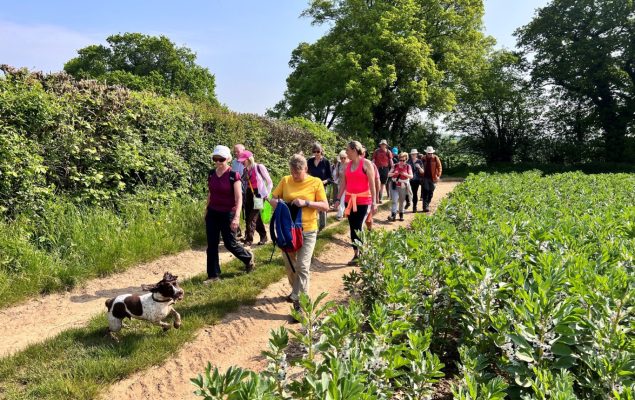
x=520 y=286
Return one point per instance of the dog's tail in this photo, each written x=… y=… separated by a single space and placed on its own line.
x=109 y=303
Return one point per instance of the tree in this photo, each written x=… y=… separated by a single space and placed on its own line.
x=140 y=61
x=587 y=47
x=383 y=61
x=499 y=110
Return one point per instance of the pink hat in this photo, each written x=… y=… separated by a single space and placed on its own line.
x=245 y=154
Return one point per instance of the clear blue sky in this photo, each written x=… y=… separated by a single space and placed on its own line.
x=245 y=43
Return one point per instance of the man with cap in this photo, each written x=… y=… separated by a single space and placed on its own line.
x=382 y=158
x=431 y=173
x=417 y=169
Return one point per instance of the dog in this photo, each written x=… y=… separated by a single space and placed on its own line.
x=154 y=306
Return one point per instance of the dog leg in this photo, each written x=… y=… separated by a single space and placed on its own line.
x=164 y=325
x=177 y=318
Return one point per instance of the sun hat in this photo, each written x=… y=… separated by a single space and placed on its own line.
x=383 y=141
x=414 y=151
x=244 y=155
x=222 y=151
x=395 y=151
x=429 y=149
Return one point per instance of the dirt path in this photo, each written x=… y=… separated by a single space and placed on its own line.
x=241 y=336
x=46 y=316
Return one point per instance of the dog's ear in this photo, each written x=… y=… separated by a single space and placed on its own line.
x=168 y=277
x=149 y=288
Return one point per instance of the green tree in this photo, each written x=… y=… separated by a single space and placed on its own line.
x=587 y=47
x=499 y=110
x=382 y=62
x=140 y=62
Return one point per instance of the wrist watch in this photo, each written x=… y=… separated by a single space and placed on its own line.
x=306 y=203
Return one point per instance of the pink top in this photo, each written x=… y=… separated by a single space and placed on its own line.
x=357 y=182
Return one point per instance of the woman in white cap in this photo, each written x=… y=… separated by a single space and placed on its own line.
x=224 y=202
x=431 y=173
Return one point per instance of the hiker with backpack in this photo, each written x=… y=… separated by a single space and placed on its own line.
x=258 y=184
x=222 y=214
x=358 y=187
x=298 y=193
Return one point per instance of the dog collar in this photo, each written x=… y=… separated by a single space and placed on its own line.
x=161 y=301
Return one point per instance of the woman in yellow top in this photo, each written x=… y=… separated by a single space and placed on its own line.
x=305 y=191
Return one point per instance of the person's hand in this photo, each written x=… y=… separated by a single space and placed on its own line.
x=234 y=225
x=375 y=206
x=325 y=181
x=299 y=202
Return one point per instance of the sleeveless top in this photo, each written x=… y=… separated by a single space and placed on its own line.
x=357 y=183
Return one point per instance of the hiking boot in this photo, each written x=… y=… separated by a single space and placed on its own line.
x=414 y=210
x=354 y=262
x=251 y=265
x=400 y=216
x=211 y=280
x=393 y=217
x=262 y=241
x=407 y=206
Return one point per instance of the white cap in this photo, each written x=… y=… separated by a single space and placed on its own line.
x=429 y=149
x=414 y=151
x=222 y=151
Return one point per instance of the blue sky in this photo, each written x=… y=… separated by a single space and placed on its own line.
x=245 y=43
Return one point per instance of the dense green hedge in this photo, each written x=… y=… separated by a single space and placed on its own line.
x=97 y=143
x=95 y=178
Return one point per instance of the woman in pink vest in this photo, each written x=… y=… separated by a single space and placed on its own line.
x=358 y=186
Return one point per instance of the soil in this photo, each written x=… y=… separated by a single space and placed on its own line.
x=238 y=339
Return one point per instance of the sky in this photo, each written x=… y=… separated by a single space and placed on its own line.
x=246 y=44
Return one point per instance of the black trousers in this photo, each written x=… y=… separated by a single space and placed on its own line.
x=415 y=184
x=427 y=191
x=356 y=222
x=218 y=224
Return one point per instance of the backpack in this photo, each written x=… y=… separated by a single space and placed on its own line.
x=286 y=231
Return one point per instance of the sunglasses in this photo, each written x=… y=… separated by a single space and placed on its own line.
x=403 y=159
x=218 y=159
x=316 y=151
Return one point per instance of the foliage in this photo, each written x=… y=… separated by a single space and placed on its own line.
x=382 y=62
x=586 y=47
x=143 y=62
x=499 y=111
x=98 y=144
x=340 y=360
x=545 y=308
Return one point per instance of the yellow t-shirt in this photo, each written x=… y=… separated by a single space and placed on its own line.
x=311 y=189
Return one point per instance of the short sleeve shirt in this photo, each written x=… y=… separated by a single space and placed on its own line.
x=310 y=189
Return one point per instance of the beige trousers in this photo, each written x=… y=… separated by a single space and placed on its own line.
x=301 y=259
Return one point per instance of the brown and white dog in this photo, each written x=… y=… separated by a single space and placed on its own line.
x=154 y=306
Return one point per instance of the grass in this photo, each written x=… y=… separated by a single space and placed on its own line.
x=72 y=244
x=79 y=363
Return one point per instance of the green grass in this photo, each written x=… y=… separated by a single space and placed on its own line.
x=79 y=363
x=72 y=244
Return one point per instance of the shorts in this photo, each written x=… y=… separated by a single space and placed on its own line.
x=383 y=174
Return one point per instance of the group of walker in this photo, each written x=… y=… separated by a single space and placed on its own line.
x=357 y=185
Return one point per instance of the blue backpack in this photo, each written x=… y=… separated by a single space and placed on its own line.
x=286 y=231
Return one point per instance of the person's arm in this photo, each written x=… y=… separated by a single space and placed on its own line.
x=392 y=172
x=238 y=202
x=329 y=173
x=342 y=186
x=276 y=194
x=409 y=174
x=370 y=174
x=439 y=168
